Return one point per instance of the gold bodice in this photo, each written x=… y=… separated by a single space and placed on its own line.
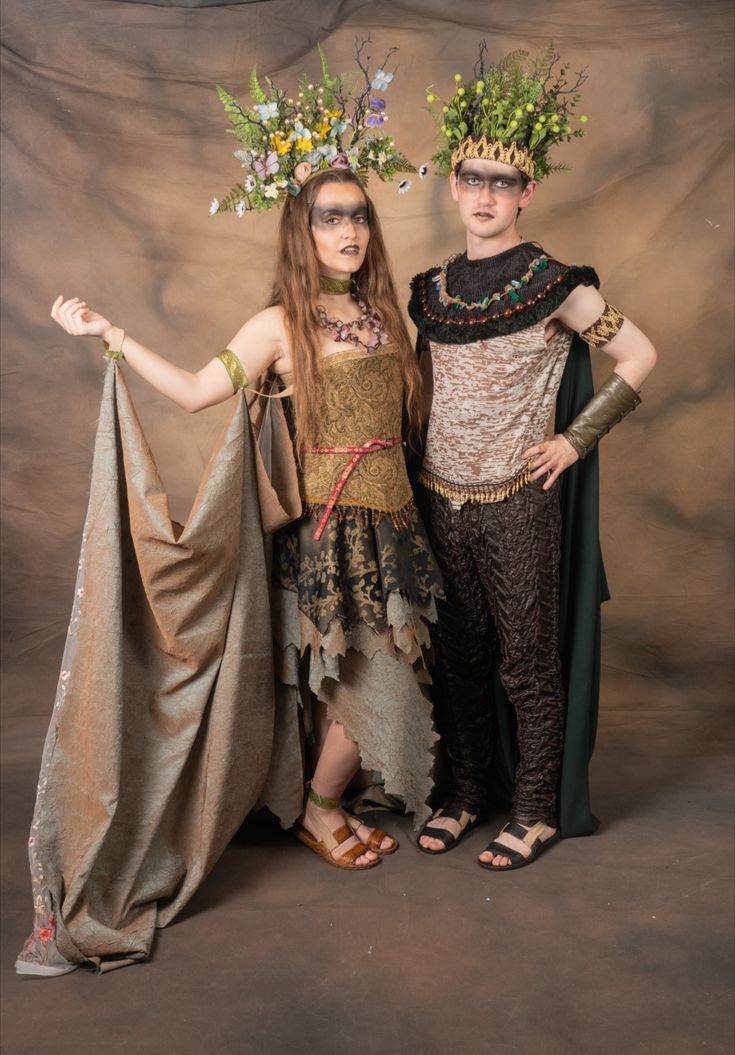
x=362 y=399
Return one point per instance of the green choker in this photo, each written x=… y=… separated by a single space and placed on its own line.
x=334 y=285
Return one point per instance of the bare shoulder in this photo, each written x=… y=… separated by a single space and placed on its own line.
x=581 y=308
x=268 y=322
x=265 y=330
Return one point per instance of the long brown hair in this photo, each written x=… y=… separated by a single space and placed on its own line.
x=296 y=290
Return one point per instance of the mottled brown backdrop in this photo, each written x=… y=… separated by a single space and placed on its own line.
x=113 y=147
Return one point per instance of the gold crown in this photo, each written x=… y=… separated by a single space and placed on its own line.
x=493 y=150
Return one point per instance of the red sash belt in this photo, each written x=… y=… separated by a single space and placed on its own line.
x=357 y=453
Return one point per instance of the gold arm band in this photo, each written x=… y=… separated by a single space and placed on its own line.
x=113 y=347
x=607 y=407
x=605 y=328
x=234 y=368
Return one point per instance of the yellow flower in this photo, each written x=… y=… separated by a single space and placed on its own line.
x=322 y=129
x=304 y=144
x=279 y=144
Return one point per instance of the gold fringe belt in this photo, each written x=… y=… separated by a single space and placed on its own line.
x=357 y=454
x=477 y=492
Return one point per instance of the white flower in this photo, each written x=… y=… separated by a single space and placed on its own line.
x=423 y=169
x=381 y=80
x=249 y=184
x=240 y=208
x=404 y=186
x=267 y=110
x=382 y=157
x=214 y=206
x=299 y=132
x=271 y=192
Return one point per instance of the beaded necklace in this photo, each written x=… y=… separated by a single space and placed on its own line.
x=511 y=290
x=339 y=330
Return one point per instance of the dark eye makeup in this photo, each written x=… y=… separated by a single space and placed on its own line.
x=325 y=214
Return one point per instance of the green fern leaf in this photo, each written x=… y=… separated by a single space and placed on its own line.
x=230 y=200
x=543 y=61
x=512 y=59
x=325 y=68
x=256 y=92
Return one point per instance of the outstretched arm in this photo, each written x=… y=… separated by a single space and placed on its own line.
x=586 y=312
x=257 y=345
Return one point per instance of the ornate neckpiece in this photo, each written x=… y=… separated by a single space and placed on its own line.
x=511 y=290
x=335 y=286
x=339 y=330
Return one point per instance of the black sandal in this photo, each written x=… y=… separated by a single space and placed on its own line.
x=530 y=836
x=454 y=812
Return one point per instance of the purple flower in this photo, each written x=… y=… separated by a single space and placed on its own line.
x=374 y=120
x=377 y=104
x=339 y=161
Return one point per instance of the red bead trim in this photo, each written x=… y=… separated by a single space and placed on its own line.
x=447 y=321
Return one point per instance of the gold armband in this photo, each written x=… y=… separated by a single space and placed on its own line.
x=234 y=368
x=605 y=328
x=113 y=347
x=607 y=407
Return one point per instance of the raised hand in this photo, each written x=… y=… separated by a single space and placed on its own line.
x=553 y=457
x=78 y=319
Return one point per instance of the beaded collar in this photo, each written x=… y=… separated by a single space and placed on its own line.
x=511 y=289
x=457 y=323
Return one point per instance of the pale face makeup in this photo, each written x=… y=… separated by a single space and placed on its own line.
x=489 y=195
x=340 y=229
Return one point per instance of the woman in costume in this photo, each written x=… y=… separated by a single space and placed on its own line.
x=353 y=581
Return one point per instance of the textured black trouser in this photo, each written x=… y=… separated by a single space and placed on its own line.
x=500 y=563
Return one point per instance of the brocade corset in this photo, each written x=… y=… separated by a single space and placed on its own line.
x=362 y=400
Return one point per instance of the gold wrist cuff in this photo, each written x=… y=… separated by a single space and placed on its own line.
x=607 y=407
x=113 y=347
x=234 y=368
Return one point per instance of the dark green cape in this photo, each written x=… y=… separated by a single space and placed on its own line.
x=583 y=586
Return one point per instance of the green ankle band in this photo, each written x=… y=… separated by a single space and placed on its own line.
x=322 y=801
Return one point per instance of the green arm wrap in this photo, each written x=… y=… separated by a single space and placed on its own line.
x=607 y=407
x=234 y=368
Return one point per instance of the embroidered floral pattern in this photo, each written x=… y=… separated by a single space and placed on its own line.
x=356 y=564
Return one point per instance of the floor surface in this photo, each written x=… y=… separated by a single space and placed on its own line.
x=618 y=944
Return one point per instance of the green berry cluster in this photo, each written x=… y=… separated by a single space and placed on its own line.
x=530 y=103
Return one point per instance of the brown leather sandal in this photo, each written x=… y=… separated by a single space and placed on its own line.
x=375 y=838
x=332 y=840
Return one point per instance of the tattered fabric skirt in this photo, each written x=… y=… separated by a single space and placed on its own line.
x=351 y=616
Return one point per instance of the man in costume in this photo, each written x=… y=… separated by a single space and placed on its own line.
x=504 y=329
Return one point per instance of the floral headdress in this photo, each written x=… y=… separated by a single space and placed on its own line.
x=513 y=112
x=284 y=140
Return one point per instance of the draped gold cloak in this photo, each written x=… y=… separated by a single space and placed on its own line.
x=161 y=736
